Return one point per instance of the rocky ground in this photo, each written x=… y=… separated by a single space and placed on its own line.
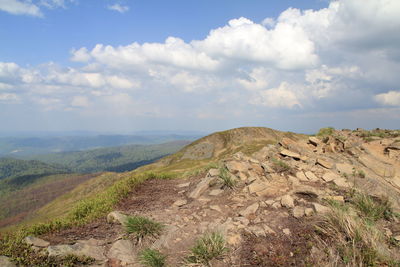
x=268 y=217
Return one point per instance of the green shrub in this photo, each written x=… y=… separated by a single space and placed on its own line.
x=152 y=258
x=326 y=131
x=280 y=166
x=227 y=179
x=142 y=227
x=372 y=209
x=210 y=246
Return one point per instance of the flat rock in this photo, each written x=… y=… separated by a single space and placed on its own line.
x=37 y=242
x=183 y=185
x=122 y=250
x=341 y=182
x=325 y=163
x=116 y=217
x=291 y=154
x=287 y=201
x=180 y=202
x=80 y=248
x=320 y=208
x=216 y=192
x=250 y=210
x=378 y=167
x=301 y=176
x=236 y=166
x=259 y=230
x=344 y=168
x=335 y=198
x=314 y=141
x=308 y=212
x=216 y=208
x=286 y=231
x=213 y=172
x=298 y=212
x=330 y=176
x=6 y=262
x=311 y=176
x=201 y=187
x=257 y=187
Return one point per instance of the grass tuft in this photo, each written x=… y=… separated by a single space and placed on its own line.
x=142 y=227
x=210 y=246
x=227 y=179
x=326 y=131
x=372 y=209
x=279 y=165
x=152 y=258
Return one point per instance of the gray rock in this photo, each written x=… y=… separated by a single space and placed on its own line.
x=287 y=201
x=37 y=242
x=6 y=262
x=201 y=187
x=81 y=248
x=249 y=210
x=116 y=217
x=122 y=250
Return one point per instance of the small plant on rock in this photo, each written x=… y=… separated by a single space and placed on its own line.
x=210 y=246
x=280 y=166
x=142 y=227
x=227 y=179
x=152 y=258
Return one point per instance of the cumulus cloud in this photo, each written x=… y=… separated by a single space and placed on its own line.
x=391 y=98
x=119 y=8
x=337 y=59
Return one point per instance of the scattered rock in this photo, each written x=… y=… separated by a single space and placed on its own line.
x=314 y=141
x=183 y=185
x=344 y=168
x=298 y=212
x=330 y=176
x=320 y=208
x=213 y=173
x=36 y=242
x=335 y=198
x=311 y=176
x=286 y=231
x=122 y=250
x=258 y=187
x=216 y=192
x=180 y=202
x=291 y=154
x=201 y=187
x=341 y=182
x=6 y=262
x=116 y=217
x=301 y=176
x=287 y=201
x=325 y=163
x=308 y=212
x=216 y=208
x=236 y=166
x=249 y=210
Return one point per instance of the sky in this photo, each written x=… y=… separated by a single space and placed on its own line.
x=198 y=65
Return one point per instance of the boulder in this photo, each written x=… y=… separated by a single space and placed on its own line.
x=287 y=201
x=201 y=187
x=6 y=262
x=122 y=250
x=116 y=217
x=36 y=242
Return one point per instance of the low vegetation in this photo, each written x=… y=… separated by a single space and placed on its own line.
x=142 y=227
x=208 y=247
x=279 y=165
x=351 y=234
x=326 y=131
x=227 y=180
x=152 y=258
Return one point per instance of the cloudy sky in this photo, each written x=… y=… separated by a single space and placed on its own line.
x=119 y=66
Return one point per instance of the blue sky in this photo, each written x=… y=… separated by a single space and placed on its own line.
x=120 y=66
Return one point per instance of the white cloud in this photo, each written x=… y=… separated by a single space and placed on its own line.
x=391 y=98
x=283 y=96
x=80 y=101
x=119 y=8
x=8 y=97
x=16 y=7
